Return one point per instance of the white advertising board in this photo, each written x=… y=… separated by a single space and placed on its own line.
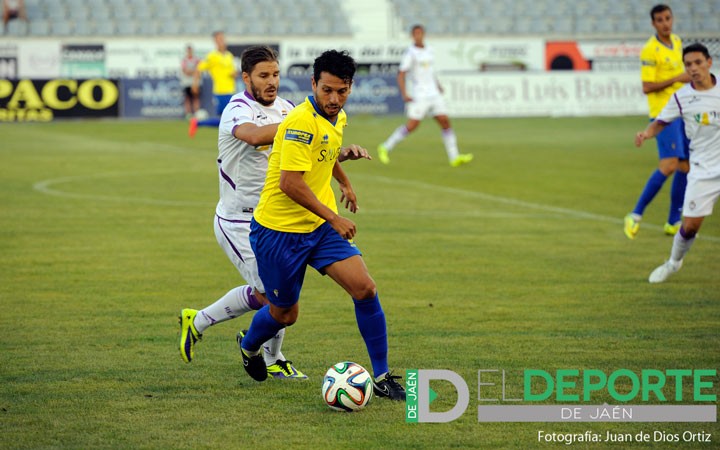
x=544 y=94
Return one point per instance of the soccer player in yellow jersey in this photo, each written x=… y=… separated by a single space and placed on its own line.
x=296 y=224
x=220 y=64
x=662 y=73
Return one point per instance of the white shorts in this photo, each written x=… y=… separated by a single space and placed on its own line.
x=700 y=196
x=234 y=238
x=419 y=108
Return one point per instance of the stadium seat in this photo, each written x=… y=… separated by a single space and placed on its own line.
x=40 y=27
x=62 y=28
x=100 y=12
x=55 y=10
x=17 y=28
x=126 y=27
x=170 y=27
x=85 y=28
x=34 y=10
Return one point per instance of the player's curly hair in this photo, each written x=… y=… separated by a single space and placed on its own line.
x=337 y=63
x=255 y=54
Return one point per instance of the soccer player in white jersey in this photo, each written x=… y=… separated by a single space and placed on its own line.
x=698 y=104
x=247 y=129
x=426 y=98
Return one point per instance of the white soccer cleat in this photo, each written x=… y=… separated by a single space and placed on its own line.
x=663 y=272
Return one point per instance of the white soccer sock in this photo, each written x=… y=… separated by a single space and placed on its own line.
x=396 y=137
x=271 y=348
x=234 y=304
x=680 y=247
x=450 y=142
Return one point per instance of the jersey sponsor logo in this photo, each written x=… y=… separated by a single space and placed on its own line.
x=707 y=118
x=298 y=136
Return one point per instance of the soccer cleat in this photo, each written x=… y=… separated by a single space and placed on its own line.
x=383 y=154
x=188 y=334
x=461 y=159
x=285 y=370
x=389 y=388
x=254 y=365
x=662 y=273
x=671 y=230
x=192 y=128
x=632 y=226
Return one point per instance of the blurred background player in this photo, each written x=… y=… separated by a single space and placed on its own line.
x=247 y=128
x=662 y=73
x=13 y=9
x=220 y=64
x=426 y=98
x=296 y=223
x=698 y=105
x=188 y=65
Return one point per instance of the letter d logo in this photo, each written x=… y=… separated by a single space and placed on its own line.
x=425 y=395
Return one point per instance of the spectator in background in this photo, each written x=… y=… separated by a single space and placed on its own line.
x=188 y=65
x=13 y=9
x=220 y=64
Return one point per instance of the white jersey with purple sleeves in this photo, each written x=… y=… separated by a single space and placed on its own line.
x=418 y=63
x=241 y=166
x=700 y=111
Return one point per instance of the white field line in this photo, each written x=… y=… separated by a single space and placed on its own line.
x=578 y=214
x=46 y=187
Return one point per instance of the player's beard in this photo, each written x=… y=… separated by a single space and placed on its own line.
x=258 y=96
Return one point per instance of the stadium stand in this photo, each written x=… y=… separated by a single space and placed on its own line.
x=550 y=18
x=169 y=18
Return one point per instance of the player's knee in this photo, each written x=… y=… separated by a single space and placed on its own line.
x=364 y=291
x=668 y=166
x=284 y=316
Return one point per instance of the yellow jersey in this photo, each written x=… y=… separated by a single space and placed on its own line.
x=221 y=67
x=306 y=141
x=659 y=63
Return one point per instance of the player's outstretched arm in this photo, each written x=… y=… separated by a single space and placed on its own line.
x=650 y=132
x=655 y=86
x=255 y=135
x=353 y=152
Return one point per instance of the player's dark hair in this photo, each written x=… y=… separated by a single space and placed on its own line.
x=696 y=47
x=415 y=27
x=657 y=9
x=255 y=54
x=339 y=64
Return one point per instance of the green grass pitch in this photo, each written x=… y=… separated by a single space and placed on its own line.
x=515 y=261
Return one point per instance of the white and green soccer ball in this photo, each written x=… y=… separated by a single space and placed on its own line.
x=347 y=386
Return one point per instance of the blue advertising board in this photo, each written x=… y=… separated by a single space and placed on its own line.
x=159 y=98
x=371 y=94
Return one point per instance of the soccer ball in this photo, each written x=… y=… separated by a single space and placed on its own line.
x=347 y=386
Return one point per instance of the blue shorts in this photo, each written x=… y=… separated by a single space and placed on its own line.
x=221 y=101
x=283 y=257
x=672 y=142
